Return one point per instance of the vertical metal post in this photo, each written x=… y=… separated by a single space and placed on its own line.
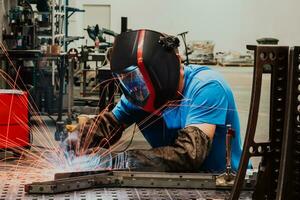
x=229 y=135
x=59 y=134
x=84 y=73
x=123 y=24
x=72 y=63
x=66 y=24
x=289 y=173
x=277 y=58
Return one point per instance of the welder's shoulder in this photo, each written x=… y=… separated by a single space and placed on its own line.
x=207 y=74
x=200 y=77
x=126 y=112
x=208 y=102
x=204 y=78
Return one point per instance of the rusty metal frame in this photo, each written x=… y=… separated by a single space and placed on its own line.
x=289 y=174
x=270 y=151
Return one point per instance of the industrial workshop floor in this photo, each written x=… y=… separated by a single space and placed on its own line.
x=240 y=79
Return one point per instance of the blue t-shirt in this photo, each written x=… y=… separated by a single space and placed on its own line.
x=207 y=99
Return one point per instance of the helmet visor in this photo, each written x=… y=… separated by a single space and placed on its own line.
x=133 y=85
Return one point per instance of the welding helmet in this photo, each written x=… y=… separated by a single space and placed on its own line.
x=148 y=67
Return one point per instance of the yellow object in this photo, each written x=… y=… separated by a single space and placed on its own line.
x=71 y=127
x=82 y=119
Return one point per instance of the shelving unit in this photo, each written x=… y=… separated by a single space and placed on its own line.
x=58 y=22
x=69 y=12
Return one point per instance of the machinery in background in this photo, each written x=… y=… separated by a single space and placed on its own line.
x=235 y=59
x=92 y=72
x=93 y=82
x=98 y=36
x=202 y=52
x=30 y=29
x=244 y=59
x=198 y=52
x=34 y=73
x=22 y=27
x=40 y=63
x=186 y=48
x=34 y=55
x=35 y=41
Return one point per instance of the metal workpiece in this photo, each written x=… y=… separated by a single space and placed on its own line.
x=64 y=175
x=108 y=179
x=182 y=180
x=275 y=57
x=289 y=173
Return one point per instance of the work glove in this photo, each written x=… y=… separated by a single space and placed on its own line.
x=186 y=155
x=101 y=131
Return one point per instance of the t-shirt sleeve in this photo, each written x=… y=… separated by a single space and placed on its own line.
x=127 y=113
x=208 y=105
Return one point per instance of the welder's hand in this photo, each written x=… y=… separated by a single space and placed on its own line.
x=100 y=131
x=71 y=142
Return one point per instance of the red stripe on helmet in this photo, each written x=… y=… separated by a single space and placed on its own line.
x=150 y=102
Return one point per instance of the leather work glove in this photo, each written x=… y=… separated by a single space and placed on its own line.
x=101 y=131
x=186 y=155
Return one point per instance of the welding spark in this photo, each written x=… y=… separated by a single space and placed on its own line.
x=40 y=163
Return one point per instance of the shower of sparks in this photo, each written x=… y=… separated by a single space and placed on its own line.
x=40 y=163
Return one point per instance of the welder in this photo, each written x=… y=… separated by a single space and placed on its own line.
x=182 y=111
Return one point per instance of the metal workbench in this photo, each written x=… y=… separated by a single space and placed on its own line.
x=12 y=190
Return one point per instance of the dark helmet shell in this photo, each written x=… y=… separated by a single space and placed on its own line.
x=161 y=64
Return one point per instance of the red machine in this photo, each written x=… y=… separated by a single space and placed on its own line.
x=14 y=123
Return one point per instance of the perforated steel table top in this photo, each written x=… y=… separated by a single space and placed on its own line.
x=12 y=187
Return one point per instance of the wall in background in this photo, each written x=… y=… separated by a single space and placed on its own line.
x=230 y=23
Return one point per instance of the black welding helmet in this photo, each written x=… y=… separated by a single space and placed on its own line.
x=148 y=67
